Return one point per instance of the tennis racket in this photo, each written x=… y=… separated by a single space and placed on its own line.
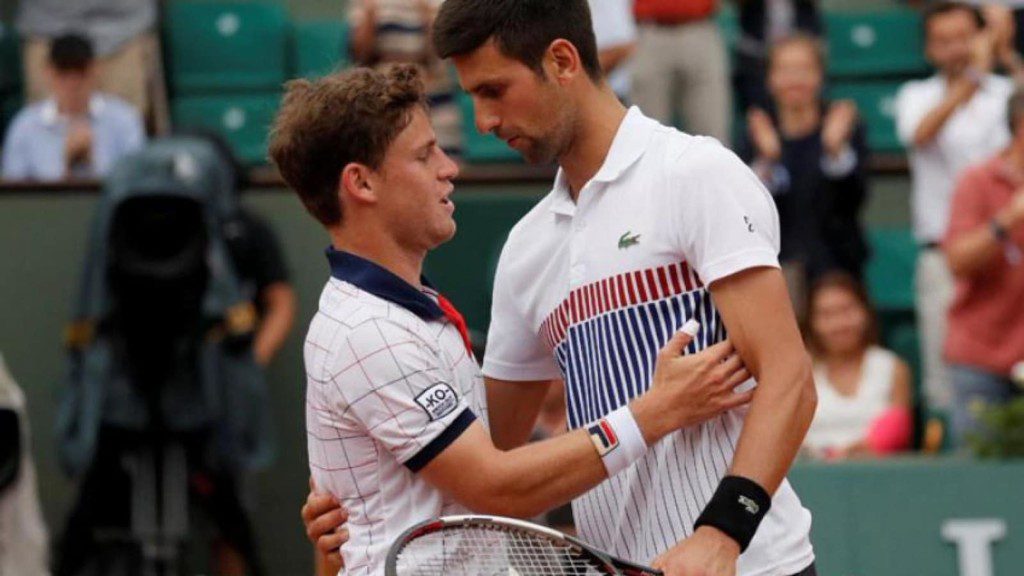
x=495 y=546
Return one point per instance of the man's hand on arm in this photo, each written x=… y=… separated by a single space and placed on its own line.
x=756 y=309
x=758 y=315
x=532 y=479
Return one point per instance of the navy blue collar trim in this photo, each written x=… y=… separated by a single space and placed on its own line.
x=377 y=280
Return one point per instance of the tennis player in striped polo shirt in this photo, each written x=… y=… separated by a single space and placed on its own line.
x=644 y=228
x=394 y=401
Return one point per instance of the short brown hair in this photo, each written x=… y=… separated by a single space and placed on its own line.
x=324 y=125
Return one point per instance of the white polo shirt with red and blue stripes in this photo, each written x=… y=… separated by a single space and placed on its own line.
x=588 y=291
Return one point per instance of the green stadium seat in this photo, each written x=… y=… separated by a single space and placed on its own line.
x=218 y=46
x=866 y=43
x=876 y=101
x=890 y=270
x=477 y=147
x=243 y=120
x=10 y=60
x=321 y=46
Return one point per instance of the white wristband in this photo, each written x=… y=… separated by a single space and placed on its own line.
x=618 y=440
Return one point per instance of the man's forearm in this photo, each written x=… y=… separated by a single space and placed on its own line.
x=279 y=299
x=933 y=122
x=532 y=479
x=973 y=252
x=756 y=310
x=775 y=427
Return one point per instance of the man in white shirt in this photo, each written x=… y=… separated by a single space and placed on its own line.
x=948 y=121
x=645 y=226
x=393 y=390
x=77 y=132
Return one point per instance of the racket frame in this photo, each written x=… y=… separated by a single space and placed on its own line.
x=611 y=565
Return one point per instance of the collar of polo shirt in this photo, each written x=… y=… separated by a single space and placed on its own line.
x=627 y=147
x=377 y=280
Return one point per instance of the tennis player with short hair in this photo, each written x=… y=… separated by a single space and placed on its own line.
x=395 y=401
x=645 y=227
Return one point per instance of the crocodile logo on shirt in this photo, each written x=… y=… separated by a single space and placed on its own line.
x=628 y=239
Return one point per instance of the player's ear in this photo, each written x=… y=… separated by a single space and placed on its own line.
x=563 y=61
x=358 y=183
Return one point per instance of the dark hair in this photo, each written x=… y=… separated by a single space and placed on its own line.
x=324 y=125
x=842 y=281
x=71 y=53
x=522 y=29
x=936 y=9
x=813 y=43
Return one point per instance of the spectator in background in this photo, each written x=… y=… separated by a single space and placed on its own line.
x=615 y=31
x=260 y=264
x=864 y=391
x=681 y=66
x=126 y=42
x=811 y=155
x=762 y=24
x=77 y=132
x=984 y=245
x=947 y=122
x=398 y=31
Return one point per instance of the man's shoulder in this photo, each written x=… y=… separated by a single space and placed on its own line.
x=693 y=159
x=351 y=313
x=28 y=119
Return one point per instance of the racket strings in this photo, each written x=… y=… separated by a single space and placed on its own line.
x=493 y=551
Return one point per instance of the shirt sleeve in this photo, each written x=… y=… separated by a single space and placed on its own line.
x=397 y=390
x=724 y=219
x=515 y=351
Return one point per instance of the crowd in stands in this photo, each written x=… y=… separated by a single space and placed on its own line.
x=94 y=87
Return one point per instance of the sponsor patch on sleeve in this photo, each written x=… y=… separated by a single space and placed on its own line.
x=438 y=401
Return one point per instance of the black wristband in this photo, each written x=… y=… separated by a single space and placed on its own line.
x=737 y=509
